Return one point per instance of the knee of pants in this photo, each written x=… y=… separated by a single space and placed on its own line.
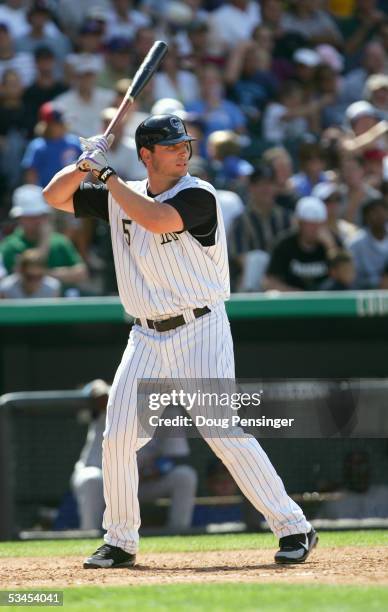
x=185 y=478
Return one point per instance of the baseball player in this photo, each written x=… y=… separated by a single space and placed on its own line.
x=171 y=264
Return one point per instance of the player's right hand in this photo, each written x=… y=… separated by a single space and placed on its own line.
x=92 y=161
x=97 y=143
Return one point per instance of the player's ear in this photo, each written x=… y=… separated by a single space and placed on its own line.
x=145 y=155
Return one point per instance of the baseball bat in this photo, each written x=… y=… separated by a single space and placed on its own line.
x=143 y=74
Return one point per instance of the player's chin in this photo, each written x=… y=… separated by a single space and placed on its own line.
x=181 y=169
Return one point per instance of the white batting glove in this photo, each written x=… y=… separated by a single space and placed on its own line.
x=92 y=161
x=97 y=143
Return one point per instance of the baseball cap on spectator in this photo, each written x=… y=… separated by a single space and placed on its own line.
x=43 y=52
x=92 y=26
x=118 y=44
x=87 y=63
x=166 y=106
x=307 y=57
x=325 y=191
x=49 y=114
x=362 y=108
x=40 y=6
x=374 y=83
x=28 y=201
x=330 y=56
x=311 y=209
x=96 y=12
x=234 y=167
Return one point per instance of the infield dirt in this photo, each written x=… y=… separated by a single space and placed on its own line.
x=345 y=565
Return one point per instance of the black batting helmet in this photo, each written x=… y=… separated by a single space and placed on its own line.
x=162 y=130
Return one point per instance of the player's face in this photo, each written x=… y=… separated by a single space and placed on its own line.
x=171 y=160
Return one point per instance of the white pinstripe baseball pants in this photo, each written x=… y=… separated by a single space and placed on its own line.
x=202 y=348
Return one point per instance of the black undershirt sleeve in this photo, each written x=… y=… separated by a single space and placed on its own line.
x=91 y=200
x=198 y=210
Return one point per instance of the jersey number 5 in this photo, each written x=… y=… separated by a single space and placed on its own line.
x=127 y=235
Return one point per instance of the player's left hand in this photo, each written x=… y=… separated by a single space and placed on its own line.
x=92 y=161
x=97 y=143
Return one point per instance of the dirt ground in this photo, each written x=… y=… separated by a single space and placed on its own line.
x=352 y=565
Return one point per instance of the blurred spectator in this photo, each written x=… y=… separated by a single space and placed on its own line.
x=272 y=16
x=13 y=15
x=198 y=35
x=229 y=169
x=233 y=22
x=162 y=464
x=173 y=82
x=306 y=62
x=13 y=129
x=373 y=62
x=216 y=112
x=354 y=188
x=53 y=149
x=304 y=18
x=21 y=62
x=370 y=246
x=329 y=193
x=280 y=161
x=382 y=36
x=299 y=260
x=342 y=273
x=117 y=62
x=312 y=164
x=44 y=88
x=83 y=103
x=367 y=132
x=33 y=230
x=72 y=15
x=287 y=119
x=89 y=41
x=253 y=233
x=330 y=88
x=359 y=498
x=123 y=20
x=250 y=80
x=376 y=92
x=39 y=15
x=31 y=279
x=359 y=28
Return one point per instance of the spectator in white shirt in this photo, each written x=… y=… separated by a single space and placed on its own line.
x=83 y=103
x=233 y=22
x=22 y=63
x=173 y=82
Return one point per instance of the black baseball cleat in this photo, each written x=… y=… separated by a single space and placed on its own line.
x=296 y=548
x=108 y=556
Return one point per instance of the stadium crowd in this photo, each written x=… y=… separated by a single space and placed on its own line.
x=289 y=104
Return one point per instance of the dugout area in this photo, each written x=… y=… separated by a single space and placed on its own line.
x=51 y=346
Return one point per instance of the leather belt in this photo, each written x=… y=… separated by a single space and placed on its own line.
x=173 y=322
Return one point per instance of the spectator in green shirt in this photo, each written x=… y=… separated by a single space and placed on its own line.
x=34 y=230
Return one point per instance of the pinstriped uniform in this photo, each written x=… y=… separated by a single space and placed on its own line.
x=156 y=280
